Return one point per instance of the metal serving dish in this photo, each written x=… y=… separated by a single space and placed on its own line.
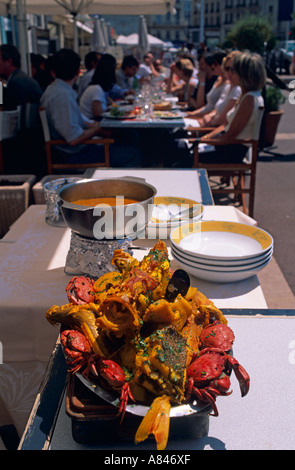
x=111 y=222
x=187 y=409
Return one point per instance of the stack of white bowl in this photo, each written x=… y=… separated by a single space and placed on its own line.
x=220 y=251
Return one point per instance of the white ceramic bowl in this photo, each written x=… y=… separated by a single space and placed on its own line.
x=220 y=240
x=219 y=276
x=222 y=263
x=170 y=211
x=226 y=269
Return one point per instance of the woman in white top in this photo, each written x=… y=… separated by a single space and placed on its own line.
x=229 y=97
x=94 y=100
x=242 y=121
x=217 y=91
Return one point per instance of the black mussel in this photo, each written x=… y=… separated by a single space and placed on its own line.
x=178 y=284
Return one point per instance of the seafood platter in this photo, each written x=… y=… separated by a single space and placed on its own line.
x=148 y=343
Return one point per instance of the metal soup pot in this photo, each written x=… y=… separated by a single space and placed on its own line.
x=106 y=221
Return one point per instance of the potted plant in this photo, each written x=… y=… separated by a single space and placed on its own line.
x=272 y=100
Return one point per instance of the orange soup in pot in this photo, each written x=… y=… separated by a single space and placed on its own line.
x=106 y=201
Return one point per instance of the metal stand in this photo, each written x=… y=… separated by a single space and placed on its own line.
x=91 y=257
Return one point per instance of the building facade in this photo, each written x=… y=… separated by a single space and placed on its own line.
x=193 y=21
x=220 y=15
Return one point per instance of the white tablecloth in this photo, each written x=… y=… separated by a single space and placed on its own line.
x=180 y=183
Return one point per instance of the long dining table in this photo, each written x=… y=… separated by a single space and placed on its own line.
x=33 y=373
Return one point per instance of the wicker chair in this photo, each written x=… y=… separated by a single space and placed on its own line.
x=9 y=127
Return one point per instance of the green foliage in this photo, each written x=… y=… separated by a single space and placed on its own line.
x=273 y=98
x=251 y=33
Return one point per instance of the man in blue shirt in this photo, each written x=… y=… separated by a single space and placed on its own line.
x=66 y=121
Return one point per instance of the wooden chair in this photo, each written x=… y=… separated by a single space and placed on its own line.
x=9 y=127
x=49 y=143
x=237 y=172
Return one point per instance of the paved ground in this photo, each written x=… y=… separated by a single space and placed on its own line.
x=275 y=211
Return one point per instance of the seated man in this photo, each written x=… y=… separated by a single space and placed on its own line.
x=146 y=69
x=126 y=74
x=20 y=88
x=66 y=121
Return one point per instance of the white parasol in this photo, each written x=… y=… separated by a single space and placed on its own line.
x=98 y=42
x=143 y=40
x=98 y=7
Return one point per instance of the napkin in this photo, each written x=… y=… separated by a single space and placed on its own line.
x=228 y=213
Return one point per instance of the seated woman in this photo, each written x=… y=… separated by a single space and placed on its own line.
x=94 y=100
x=219 y=87
x=207 y=77
x=183 y=69
x=228 y=99
x=242 y=119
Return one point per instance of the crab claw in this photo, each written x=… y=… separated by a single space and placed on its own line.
x=241 y=375
x=125 y=395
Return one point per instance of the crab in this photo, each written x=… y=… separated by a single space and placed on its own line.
x=217 y=335
x=76 y=347
x=208 y=376
x=80 y=290
x=113 y=375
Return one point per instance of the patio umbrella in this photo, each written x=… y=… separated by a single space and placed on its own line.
x=75 y=7
x=98 y=42
x=132 y=40
x=98 y=7
x=106 y=33
x=143 y=40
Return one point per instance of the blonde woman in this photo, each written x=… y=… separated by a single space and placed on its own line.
x=242 y=119
x=182 y=70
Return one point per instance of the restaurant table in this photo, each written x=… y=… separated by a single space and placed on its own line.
x=32 y=279
x=143 y=122
x=262 y=420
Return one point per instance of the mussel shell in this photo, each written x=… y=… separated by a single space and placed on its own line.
x=178 y=284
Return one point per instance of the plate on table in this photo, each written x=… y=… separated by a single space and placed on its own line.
x=219 y=277
x=221 y=240
x=169 y=211
x=142 y=409
x=220 y=268
x=166 y=115
x=109 y=115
